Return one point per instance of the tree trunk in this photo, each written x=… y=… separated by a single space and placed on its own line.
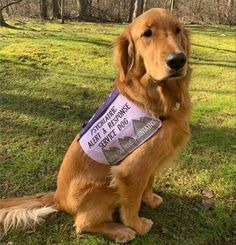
x=43 y=10
x=144 y=5
x=172 y=5
x=2 y=21
x=55 y=9
x=229 y=12
x=119 y=11
x=83 y=13
x=89 y=3
x=138 y=9
x=218 y=11
x=230 y=4
x=199 y=6
x=78 y=4
x=62 y=11
x=131 y=11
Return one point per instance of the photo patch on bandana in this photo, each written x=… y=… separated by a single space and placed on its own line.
x=117 y=128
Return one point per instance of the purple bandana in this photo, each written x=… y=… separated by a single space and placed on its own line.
x=116 y=129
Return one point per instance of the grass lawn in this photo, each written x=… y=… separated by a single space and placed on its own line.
x=53 y=77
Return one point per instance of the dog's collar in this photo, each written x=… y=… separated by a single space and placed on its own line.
x=117 y=128
x=163 y=118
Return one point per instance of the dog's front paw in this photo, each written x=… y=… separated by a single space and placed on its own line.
x=153 y=201
x=125 y=235
x=142 y=225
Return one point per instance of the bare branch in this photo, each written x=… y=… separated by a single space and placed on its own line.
x=9 y=4
x=100 y=10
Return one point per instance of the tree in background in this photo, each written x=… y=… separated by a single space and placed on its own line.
x=131 y=10
x=194 y=11
x=62 y=11
x=83 y=9
x=55 y=10
x=43 y=10
x=225 y=11
x=172 y=5
x=230 y=11
x=138 y=10
x=137 y=7
x=4 y=5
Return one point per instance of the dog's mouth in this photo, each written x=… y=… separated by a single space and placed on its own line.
x=176 y=75
x=171 y=75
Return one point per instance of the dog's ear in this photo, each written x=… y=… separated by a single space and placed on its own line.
x=124 y=54
x=185 y=42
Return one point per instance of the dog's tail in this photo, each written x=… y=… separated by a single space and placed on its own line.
x=26 y=212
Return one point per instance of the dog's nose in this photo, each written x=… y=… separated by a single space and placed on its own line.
x=176 y=60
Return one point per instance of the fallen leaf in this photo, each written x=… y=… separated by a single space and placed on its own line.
x=10 y=243
x=164 y=231
x=175 y=237
x=66 y=107
x=207 y=194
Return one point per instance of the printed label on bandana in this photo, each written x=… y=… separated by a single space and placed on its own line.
x=117 y=128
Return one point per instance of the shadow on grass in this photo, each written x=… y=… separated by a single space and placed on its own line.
x=43 y=133
x=214 y=48
x=82 y=39
x=11 y=27
x=86 y=76
x=49 y=108
x=197 y=60
x=212 y=60
x=212 y=64
x=215 y=139
x=12 y=63
x=211 y=29
x=221 y=92
x=20 y=25
x=24 y=71
x=79 y=39
x=180 y=220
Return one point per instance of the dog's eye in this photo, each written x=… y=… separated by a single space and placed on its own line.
x=147 y=33
x=177 y=30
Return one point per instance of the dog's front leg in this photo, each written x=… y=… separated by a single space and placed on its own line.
x=130 y=183
x=150 y=198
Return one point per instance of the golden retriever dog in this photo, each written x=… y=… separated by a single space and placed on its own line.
x=151 y=56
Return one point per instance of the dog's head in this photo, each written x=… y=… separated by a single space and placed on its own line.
x=155 y=44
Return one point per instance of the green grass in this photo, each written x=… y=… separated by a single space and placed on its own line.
x=54 y=76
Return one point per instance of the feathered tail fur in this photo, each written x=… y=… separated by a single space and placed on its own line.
x=26 y=212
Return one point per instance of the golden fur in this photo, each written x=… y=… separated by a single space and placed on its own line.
x=90 y=191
